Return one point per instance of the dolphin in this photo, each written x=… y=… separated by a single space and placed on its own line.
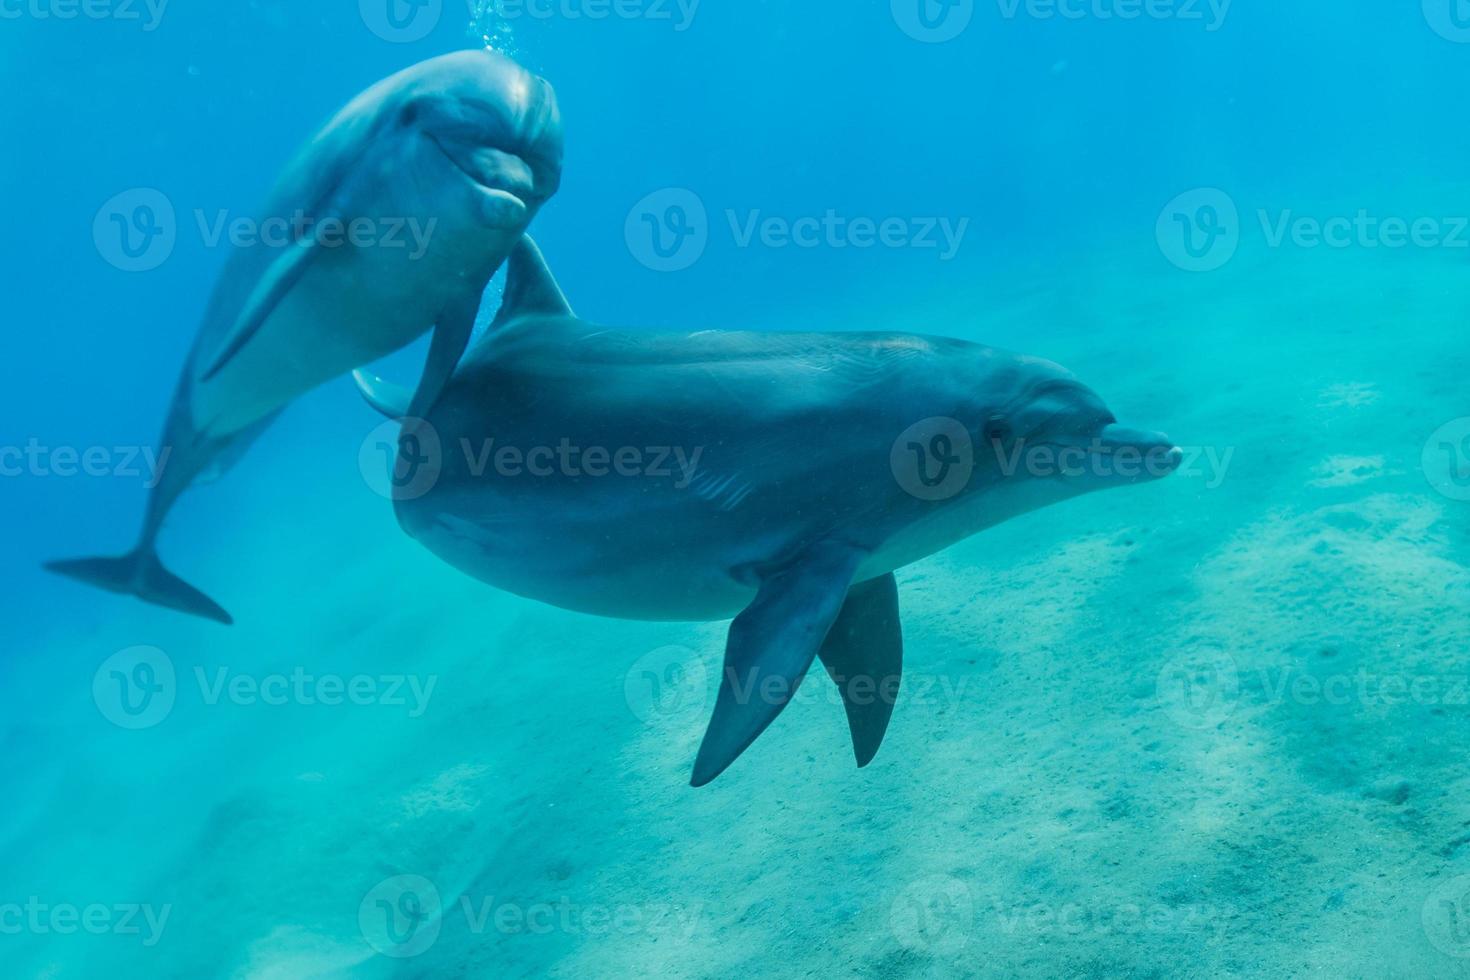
x=779 y=479
x=461 y=150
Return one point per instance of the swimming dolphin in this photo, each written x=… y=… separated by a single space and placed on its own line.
x=463 y=150
x=776 y=478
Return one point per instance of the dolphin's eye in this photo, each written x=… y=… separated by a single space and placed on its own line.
x=997 y=430
x=410 y=112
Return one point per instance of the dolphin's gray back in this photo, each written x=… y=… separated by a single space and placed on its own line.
x=728 y=375
x=793 y=435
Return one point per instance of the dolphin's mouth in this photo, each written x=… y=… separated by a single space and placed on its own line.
x=504 y=178
x=1114 y=454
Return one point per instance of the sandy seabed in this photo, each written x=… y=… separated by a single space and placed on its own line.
x=1210 y=727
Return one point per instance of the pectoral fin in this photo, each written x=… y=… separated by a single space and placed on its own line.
x=770 y=647
x=384 y=396
x=863 y=654
x=279 y=279
x=451 y=338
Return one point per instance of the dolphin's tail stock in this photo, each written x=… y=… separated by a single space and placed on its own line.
x=141 y=574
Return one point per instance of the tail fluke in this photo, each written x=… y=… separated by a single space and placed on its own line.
x=141 y=574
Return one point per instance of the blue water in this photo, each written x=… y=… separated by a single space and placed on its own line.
x=1212 y=726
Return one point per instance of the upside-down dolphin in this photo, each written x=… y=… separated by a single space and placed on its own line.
x=776 y=478
x=464 y=148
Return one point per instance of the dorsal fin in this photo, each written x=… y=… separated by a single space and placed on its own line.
x=530 y=288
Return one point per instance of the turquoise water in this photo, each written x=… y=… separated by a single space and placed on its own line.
x=1209 y=726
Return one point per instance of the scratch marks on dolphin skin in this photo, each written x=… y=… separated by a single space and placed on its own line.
x=866 y=367
x=727 y=494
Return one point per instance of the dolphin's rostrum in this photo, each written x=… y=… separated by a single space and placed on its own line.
x=825 y=463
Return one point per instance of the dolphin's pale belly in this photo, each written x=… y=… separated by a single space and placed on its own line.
x=689 y=589
x=627 y=562
x=350 y=309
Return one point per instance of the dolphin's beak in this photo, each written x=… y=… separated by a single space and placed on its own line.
x=1153 y=453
